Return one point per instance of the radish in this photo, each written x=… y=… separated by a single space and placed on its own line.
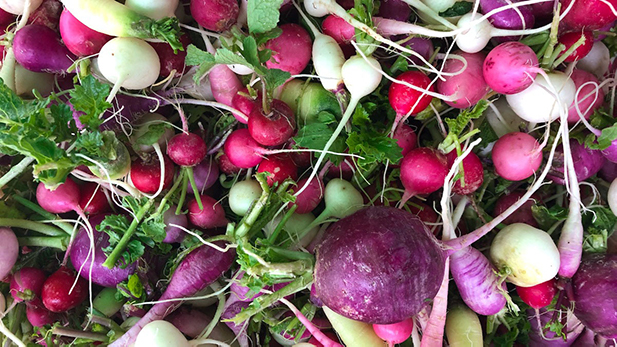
x=473 y=173
x=467 y=86
x=63 y=199
x=279 y=168
x=10 y=253
x=38 y=48
x=597 y=61
x=192 y=322
x=27 y=284
x=155 y=9
x=463 y=328
x=612 y=196
x=225 y=85
x=143 y=126
x=394 y=333
x=47 y=14
x=57 y=295
x=514 y=18
x=116 y=168
x=199 y=269
x=242 y=150
x=352 y=332
x=225 y=165
x=341 y=199
x=300 y=230
x=516 y=156
x=38 y=315
x=171 y=61
x=529 y=254
x=338 y=28
x=187 y=150
x=510 y=67
x=523 y=214
x=78 y=38
x=273 y=127
x=206 y=175
x=569 y=39
x=244 y=103
x=587 y=162
x=405 y=100
x=160 y=333
x=174 y=233
x=405 y=138
x=428 y=180
x=291 y=51
x=148 y=178
x=308 y=199
x=210 y=216
x=394 y=9
x=588 y=14
x=242 y=195
x=589 y=96
x=538 y=296
x=215 y=15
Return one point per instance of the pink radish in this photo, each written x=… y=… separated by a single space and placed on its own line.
x=510 y=67
x=394 y=333
x=516 y=156
x=187 y=149
x=11 y=250
x=215 y=15
x=468 y=86
x=210 y=216
x=225 y=85
x=78 y=38
x=291 y=51
x=423 y=171
x=27 y=284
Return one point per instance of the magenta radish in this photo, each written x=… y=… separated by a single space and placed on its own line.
x=394 y=9
x=56 y=293
x=273 y=127
x=570 y=38
x=10 y=253
x=588 y=14
x=279 y=168
x=38 y=315
x=78 y=38
x=523 y=214
x=516 y=156
x=434 y=168
x=215 y=15
x=93 y=199
x=405 y=100
x=242 y=195
x=338 y=28
x=63 y=199
x=308 y=199
x=587 y=162
x=225 y=165
x=468 y=86
x=589 y=96
x=394 y=333
x=174 y=232
x=38 y=48
x=244 y=103
x=242 y=150
x=210 y=216
x=170 y=61
x=538 y=296
x=510 y=67
x=473 y=173
x=199 y=269
x=291 y=51
x=187 y=149
x=405 y=138
x=225 y=85
x=27 y=284
x=147 y=176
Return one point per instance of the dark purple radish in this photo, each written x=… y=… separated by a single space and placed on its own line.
x=394 y=9
x=279 y=168
x=78 y=38
x=420 y=45
x=274 y=127
x=541 y=336
x=359 y=282
x=187 y=149
x=212 y=215
x=242 y=150
x=523 y=214
x=310 y=197
x=215 y=15
x=587 y=162
x=27 y=284
x=38 y=48
x=198 y=270
x=291 y=51
x=423 y=171
x=171 y=61
x=146 y=175
x=81 y=258
x=520 y=18
x=93 y=199
x=473 y=173
x=206 y=174
x=232 y=308
x=174 y=233
x=38 y=315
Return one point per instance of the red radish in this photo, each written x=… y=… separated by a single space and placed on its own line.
x=187 y=149
x=211 y=216
x=588 y=14
x=274 y=128
x=93 y=199
x=423 y=171
x=27 y=284
x=244 y=103
x=510 y=67
x=10 y=251
x=63 y=199
x=310 y=197
x=215 y=15
x=6 y=19
x=226 y=166
x=291 y=51
x=538 y=296
x=405 y=138
x=405 y=100
x=171 y=61
x=55 y=294
x=587 y=99
x=338 y=28
x=569 y=39
x=38 y=48
x=242 y=150
x=473 y=173
x=38 y=315
x=343 y=170
x=48 y=14
x=146 y=176
x=394 y=333
x=523 y=214
x=302 y=159
x=280 y=167
x=516 y=156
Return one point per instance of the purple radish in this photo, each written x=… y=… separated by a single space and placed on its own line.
x=587 y=162
x=206 y=174
x=38 y=48
x=174 y=233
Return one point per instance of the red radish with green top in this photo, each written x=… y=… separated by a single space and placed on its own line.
x=93 y=199
x=291 y=51
x=274 y=126
x=148 y=177
x=27 y=284
x=280 y=167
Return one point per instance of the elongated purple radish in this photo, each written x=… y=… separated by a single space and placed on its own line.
x=199 y=269
x=414 y=177
x=38 y=48
x=510 y=67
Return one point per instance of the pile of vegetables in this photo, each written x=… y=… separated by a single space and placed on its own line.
x=308 y=173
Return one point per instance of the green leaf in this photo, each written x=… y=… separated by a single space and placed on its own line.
x=263 y=15
x=374 y=147
x=225 y=56
x=487 y=134
x=275 y=78
x=316 y=135
x=135 y=286
x=548 y=217
x=262 y=38
x=249 y=51
x=91 y=142
x=89 y=97
x=152 y=134
x=458 y=9
x=457 y=125
x=197 y=57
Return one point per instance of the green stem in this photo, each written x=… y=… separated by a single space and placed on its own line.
x=182 y=193
x=569 y=51
x=47 y=215
x=247 y=222
x=552 y=39
x=297 y=255
x=59 y=242
x=110 y=262
x=294 y=268
x=34 y=226
x=281 y=225
x=15 y=171
x=189 y=173
x=167 y=196
x=79 y=334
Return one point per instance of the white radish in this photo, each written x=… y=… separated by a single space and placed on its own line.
x=160 y=333
x=242 y=195
x=17 y=7
x=155 y=9
x=597 y=61
x=612 y=196
x=477 y=37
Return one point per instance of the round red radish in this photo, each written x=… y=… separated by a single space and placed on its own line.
x=6 y=19
x=187 y=149
x=291 y=51
x=242 y=150
x=405 y=138
x=516 y=156
x=38 y=315
x=588 y=15
x=55 y=294
x=302 y=159
x=93 y=199
x=212 y=215
x=226 y=166
x=280 y=167
x=63 y=199
x=426 y=214
x=27 y=284
x=523 y=214
x=146 y=176
x=396 y=332
x=538 y=296
x=244 y=103
x=310 y=197
x=275 y=128
x=423 y=171
x=215 y=15
x=339 y=29
x=569 y=39
x=404 y=99
x=171 y=61
x=473 y=173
